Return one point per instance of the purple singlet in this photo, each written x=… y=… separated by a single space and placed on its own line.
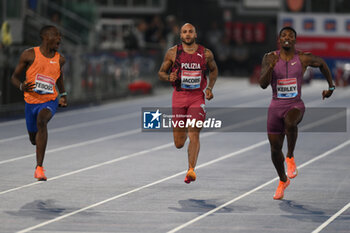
x=286 y=83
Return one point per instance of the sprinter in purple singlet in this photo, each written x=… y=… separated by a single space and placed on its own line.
x=283 y=70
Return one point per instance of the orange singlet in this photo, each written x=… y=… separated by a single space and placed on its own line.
x=44 y=72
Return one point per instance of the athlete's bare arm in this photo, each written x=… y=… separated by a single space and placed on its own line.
x=168 y=62
x=25 y=60
x=60 y=85
x=213 y=73
x=308 y=59
x=268 y=63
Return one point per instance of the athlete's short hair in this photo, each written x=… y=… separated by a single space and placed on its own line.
x=45 y=29
x=288 y=28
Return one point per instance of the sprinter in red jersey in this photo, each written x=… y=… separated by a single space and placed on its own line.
x=187 y=64
x=43 y=69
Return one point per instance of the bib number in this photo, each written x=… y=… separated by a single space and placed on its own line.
x=287 y=88
x=44 y=84
x=191 y=79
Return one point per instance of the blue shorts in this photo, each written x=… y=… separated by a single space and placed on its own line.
x=32 y=111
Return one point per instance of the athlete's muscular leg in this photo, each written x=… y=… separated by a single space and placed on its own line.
x=276 y=143
x=180 y=136
x=41 y=136
x=291 y=121
x=193 y=147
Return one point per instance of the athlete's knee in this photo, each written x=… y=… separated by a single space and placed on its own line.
x=194 y=138
x=275 y=151
x=193 y=134
x=41 y=123
x=180 y=137
x=179 y=145
x=291 y=126
x=44 y=117
x=276 y=148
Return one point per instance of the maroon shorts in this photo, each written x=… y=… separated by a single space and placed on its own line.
x=278 y=110
x=188 y=105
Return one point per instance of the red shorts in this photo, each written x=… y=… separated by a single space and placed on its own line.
x=188 y=105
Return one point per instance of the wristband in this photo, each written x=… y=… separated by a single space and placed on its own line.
x=210 y=88
x=20 y=87
x=63 y=94
x=332 y=88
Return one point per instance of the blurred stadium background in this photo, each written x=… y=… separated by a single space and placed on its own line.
x=114 y=47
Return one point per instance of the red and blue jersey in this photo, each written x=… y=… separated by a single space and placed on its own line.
x=191 y=70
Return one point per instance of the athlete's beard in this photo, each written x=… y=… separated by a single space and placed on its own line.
x=286 y=48
x=188 y=43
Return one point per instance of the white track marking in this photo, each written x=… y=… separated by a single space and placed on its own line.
x=181 y=173
x=143 y=187
x=91 y=167
x=331 y=219
x=101 y=139
x=344 y=144
x=80 y=125
x=114 y=160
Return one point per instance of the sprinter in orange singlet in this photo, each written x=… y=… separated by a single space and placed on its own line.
x=43 y=66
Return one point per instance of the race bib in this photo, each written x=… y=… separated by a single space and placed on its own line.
x=44 y=84
x=287 y=88
x=191 y=79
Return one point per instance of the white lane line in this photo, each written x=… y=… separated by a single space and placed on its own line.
x=331 y=219
x=121 y=158
x=127 y=133
x=344 y=144
x=91 y=167
x=181 y=173
x=80 y=125
x=109 y=137
x=143 y=187
x=220 y=94
x=128 y=102
x=335 y=97
x=84 y=124
x=240 y=124
x=90 y=109
x=222 y=206
x=322 y=121
x=111 y=119
x=341 y=146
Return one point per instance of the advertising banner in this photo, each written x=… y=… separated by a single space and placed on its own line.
x=324 y=35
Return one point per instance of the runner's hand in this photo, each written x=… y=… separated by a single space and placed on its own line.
x=63 y=101
x=326 y=94
x=272 y=59
x=173 y=76
x=208 y=94
x=27 y=86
